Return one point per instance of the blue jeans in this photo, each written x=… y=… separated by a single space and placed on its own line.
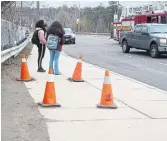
x=54 y=61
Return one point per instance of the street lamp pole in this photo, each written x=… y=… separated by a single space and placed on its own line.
x=79 y=17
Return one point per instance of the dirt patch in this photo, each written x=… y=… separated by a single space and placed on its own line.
x=21 y=120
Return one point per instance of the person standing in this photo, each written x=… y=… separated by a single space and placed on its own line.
x=55 y=31
x=40 y=40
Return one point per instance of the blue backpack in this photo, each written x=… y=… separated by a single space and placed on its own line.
x=52 y=42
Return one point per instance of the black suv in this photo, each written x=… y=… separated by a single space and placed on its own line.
x=69 y=36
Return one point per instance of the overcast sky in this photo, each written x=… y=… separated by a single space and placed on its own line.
x=92 y=3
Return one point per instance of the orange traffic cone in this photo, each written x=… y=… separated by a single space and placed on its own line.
x=49 y=99
x=78 y=71
x=107 y=100
x=24 y=75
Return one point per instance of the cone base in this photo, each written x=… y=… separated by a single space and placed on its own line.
x=72 y=80
x=31 y=79
x=114 y=106
x=49 y=105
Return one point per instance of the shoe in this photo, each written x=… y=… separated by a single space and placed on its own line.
x=58 y=73
x=41 y=70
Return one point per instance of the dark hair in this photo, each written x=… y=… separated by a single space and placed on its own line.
x=56 y=29
x=41 y=24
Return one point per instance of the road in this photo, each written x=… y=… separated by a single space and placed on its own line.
x=107 y=53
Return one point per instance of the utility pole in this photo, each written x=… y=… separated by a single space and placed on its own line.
x=21 y=13
x=21 y=16
x=118 y=10
x=38 y=10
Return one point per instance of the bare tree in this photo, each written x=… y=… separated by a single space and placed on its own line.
x=13 y=18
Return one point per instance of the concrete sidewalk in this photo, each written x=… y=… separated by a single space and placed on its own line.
x=141 y=113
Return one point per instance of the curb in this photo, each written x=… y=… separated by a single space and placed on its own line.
x=125 y=77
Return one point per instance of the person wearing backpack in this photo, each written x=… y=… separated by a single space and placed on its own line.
x=55 y=41
x=39 y=40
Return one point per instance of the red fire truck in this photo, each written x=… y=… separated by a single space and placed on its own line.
x=128 y=24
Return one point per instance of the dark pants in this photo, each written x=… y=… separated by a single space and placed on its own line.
x=41 y=53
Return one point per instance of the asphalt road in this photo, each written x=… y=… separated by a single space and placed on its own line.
x=107 y=53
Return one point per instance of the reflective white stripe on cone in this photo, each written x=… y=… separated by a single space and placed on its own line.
x=107 y=80
x=80 y=61
x=51 y=78
x=23 y=59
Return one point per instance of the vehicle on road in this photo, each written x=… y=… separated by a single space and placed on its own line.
x=69 y=36
x=149 y=37
x=155 y=12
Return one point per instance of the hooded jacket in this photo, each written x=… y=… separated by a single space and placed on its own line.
x=41 y=35
x=40 y=25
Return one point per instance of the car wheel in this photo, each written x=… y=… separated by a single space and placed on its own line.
x=74 y=42
x=154 y=53
x=125 y=47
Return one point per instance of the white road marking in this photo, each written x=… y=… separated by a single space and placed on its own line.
x=142 y=59
x=161 y=63
x=148 y=60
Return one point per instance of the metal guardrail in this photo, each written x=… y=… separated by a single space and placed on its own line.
x=14 y=51
x=88 y=33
